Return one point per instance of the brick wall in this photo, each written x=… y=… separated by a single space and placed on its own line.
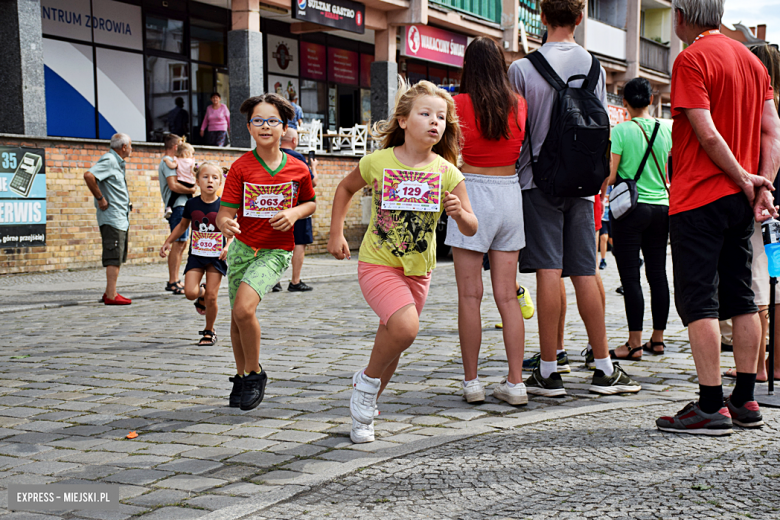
x=72 y=235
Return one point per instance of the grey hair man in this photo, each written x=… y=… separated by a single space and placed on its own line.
x=726 y=152
x=108 y=184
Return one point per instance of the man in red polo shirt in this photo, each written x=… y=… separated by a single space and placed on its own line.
x=726 y=151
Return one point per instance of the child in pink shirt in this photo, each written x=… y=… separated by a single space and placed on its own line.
x=183 y=165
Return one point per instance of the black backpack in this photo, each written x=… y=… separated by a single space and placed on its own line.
x=574 y=159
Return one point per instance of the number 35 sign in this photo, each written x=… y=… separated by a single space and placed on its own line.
x=411 y=190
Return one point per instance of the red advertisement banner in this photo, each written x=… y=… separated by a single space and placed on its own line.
x=433 y=44
x=313 y=61
x=342 y=66
x=365 y=69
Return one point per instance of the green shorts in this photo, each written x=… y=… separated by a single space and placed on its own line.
x=260 y=270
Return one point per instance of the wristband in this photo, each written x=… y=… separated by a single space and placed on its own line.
x=99 y=198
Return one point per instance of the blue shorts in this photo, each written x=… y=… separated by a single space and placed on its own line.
x=302 y=232
x=176 y=216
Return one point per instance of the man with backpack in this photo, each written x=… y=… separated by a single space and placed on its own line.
x=562 y=165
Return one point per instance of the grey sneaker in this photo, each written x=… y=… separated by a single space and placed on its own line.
x=693 y=420
x=617 y=383
x=590 y=360
x=549 y=387
x=748 y=415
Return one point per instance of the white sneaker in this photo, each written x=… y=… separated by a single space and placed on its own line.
x=513 y=395
x=363 y=402
x=361 y=433
x=473 y=391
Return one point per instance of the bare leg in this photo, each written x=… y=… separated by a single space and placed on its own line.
x=388 y=374
x=562 y=322
x=468 y=276
x=297 y=263
x=763 y=315
x=747 y=328
x=503 y=269
x=244 y=318
x=213 y=279
x=192 y=279
x=112 y=275
x=174 y=260
x=588 y=299
x=602 y=294
x=603 y=239
x=548 y=299
x=238 y=351
x=392 y=339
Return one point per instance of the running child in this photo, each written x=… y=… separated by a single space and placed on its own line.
x=183 y=164
x=419 y=146
x=208 y=248
x=266 y=192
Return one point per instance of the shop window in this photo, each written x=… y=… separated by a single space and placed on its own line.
x=207 y=41
x=161 y=96
x=179 y=79
x=202 y=88
x=314 y=100
x=416 y=72
x=164 y=34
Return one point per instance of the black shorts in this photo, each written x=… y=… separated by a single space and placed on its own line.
x=712 y=257
x=302 y=232
x=606 y=228
x=114 y=245
x=202 y=262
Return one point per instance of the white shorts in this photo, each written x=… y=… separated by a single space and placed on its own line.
x=498 y=204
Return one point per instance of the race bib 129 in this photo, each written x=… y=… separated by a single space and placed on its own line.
x=266 y=200
x=411 y=190
x=206 y=243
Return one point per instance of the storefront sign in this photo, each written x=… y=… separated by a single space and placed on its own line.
x=431 y=44
x=365 y=69
x=313 y=61
x=282 y=55
x=342 y=66
x=113 y=23
x=22 y=197
x=341 y=14
x=617 y=115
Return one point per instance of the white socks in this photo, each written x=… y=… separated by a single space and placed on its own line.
x=548 y=368
x=466 y=383
x=605 y=365
x=559 y=352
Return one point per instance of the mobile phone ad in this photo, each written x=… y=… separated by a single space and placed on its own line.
x=22 y=197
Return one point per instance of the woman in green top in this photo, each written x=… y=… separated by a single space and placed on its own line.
x=647 y=226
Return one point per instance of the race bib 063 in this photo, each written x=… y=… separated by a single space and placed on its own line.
x=266 y=200
x=206 y=243
x=411 y=190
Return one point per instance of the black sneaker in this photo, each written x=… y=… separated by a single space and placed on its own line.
x=299 y=287
x=617 y=383
x=253 y=389
x=620 y=290
x=235 y=394
x=549 y=387
x=277 y=287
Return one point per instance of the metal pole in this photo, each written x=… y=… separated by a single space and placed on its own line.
x=771 y=369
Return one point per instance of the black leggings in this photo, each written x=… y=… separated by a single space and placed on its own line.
x=647 y=227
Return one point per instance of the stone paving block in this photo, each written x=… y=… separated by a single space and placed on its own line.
x=249 y=444
x=191 y=466
x=165 y=450
x=138 y=477
x=92 y=472
x=259 y=459
x=189 y=483
x=296 y=436
x=23 y=450
x=125 y=511
x=278 y=477
x=244 y=489
x=160 y=497
x=313 y=466
x=174 y=513
x=348 y=455
x=214 y=502
x=141 y=461
x=211 y=453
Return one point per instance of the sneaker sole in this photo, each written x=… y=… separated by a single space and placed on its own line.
x=254 y=404
x=698 y=431
x=361 y=440
x=544 y=392
x=757 y=424
x=514 y=400
x=612 y=390
x=474 y=398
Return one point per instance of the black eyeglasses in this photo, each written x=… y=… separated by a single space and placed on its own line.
x=259 y=121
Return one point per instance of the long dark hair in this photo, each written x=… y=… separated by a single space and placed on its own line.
x=485 y=80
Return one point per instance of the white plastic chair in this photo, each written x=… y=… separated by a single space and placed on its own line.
x=315 y=136
x=305 y=137
x=359 y=139
x=346 y=140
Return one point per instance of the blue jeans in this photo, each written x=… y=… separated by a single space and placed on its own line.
x=176 y=216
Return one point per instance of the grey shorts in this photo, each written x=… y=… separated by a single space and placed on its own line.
x=498 y=204
x=560 y=234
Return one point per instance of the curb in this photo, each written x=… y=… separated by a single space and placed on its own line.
x=470 y=429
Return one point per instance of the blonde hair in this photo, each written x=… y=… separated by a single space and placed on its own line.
x=184 y=147
x=390 y=133
x=221 y=170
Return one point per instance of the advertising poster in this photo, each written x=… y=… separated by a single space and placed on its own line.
x=22 y=197
x=365 y=69
x=340 y=14
x=313 y=65
x=411 y=190
x=617 y=115
x=342 y=66
x=283 y=86
x=282 y=55
x=433 y=44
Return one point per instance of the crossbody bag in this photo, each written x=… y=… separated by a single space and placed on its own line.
x=625 y=196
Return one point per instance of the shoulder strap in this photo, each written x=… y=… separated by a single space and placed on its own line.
x=543 y=67
x=593 y=76
x=649 y=149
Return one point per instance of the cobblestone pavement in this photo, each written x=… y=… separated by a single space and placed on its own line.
x=75 y=380
x=603 y=465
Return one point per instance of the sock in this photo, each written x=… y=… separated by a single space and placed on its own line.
x=246 y=373
x=743 y=390
x=605 y=365
x=559 y=352
x=589 y=347
x=465 y=383
x=711 y=398
x=548 y=367
x=511 y=385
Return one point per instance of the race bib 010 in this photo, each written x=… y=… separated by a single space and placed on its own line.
x=266 y=200
x=206 y=243
x=411 y=190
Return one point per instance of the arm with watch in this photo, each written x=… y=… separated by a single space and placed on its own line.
x=92 y=184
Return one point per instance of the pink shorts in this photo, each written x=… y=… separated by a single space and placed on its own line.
x=388 y=289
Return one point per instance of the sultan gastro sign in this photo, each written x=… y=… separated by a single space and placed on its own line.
x=340 y=14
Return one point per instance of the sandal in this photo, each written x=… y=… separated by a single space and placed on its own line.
x=209 y=338
x=649 y=347
x=199 y=302
x=732 y=373
x=629 y=356
x=175 y=287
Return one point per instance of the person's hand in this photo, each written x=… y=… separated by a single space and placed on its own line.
x=313 y=162
x=751 y=184
x=164 y=249
x=223 y=254
x=284 y=220
x=201 y=133
x=339 y=247
x=764 y=206
x=452 y=205
x=230 y=228
x=103 y=203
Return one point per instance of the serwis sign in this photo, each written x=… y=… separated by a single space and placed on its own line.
x=431 y=44
x=340 y=14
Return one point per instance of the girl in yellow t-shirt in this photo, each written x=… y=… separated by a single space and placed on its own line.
x=413 y=180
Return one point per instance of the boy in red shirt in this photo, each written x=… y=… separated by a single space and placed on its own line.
x=266 y=192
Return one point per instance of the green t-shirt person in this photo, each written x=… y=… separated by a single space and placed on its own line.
x=630 y=144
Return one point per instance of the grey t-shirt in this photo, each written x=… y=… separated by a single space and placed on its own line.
x=163 y=172
x=567 y=59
